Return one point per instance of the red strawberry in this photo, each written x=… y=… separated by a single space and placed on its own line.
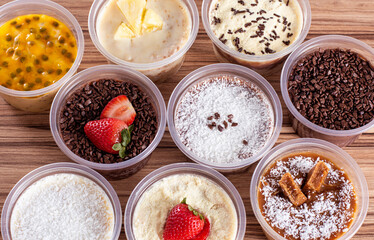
x=203 y=235
x=110 y=135
x=185 y=223
x=119 y=108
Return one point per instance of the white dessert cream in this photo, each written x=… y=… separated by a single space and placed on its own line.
x=256 y=27
x=202 y=194
x=143 y=31
x=63 y=206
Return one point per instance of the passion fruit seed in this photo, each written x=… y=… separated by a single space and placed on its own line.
x=5 y=64
x=9 y=82
x=18 y=26
x=59 y=71
x=22 y=81
x=18 y=70
x=36 y=61
x=8 y=37
x=13 y=23
x=69 y=55
x=10 y=51
x=36 y=18
x=28 y=69
x=40 y=70
x=50 y=44
x=37 y=36
x=38 y=80
x=64 y=51
x=28 y=20
x=47 y=83
x=42 y=29
x=13 y=75
x=55 y=24
x=61 y=39
x=22 y=59
x=32 y=30
x=44 y=57
x=31 y=43
x=50 y=71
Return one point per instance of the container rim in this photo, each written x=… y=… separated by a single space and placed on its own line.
x=56 y=168
x=61 y=11
x=291 y=61
x=193 y=168
x=237 y=70
x=92 y=18
x=309 y=142
x=307 y=20
x=60 y=97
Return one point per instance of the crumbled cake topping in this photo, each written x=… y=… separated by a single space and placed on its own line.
x=325 y=215
x=256 y=27
x=224 y=119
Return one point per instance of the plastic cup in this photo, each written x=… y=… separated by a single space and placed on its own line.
x=56 y=168
x=184 y=168
x=157 y=71
x=342 y=159
x=303 y=126
x=111 y=170
x=243 y=73
x=264 y=64
x=41 y=99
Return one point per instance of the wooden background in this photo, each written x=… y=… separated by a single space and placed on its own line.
x=26 y=142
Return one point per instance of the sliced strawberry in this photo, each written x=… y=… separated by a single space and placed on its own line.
x=184 y=223
x=203 y=235
x=110 y=135
x=119 y=108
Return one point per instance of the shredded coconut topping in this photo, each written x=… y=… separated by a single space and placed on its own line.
x=224 y=119
x=63 y=206
x=326 y=215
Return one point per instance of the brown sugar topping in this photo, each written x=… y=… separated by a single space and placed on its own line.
x=292 y=190
x=316 y=176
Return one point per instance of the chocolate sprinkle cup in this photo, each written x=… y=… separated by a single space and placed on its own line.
x=87 y=103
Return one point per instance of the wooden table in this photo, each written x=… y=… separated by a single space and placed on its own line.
x=26 y=142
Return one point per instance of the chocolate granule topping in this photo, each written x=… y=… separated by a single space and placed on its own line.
x=286 y=42
x=87 y=103
x=334 y=89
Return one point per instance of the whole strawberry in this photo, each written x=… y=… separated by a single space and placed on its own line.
x=109 y=134
x=185 y=223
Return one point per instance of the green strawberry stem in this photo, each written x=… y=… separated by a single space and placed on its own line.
x=126 y=139
x=196 y=213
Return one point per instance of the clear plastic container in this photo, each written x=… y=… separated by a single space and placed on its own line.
x=157 y=71
x=303 y=126
x=41 y=99
x=185 y=168
x=243 y=73
x=112 y=170
x=52 y=169
x=264 y=64
x=342 y=159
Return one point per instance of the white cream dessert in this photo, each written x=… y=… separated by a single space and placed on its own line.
x=256 y=27
x=224 y=119
x=202 y=194
x=63 y=206
x=143 y=31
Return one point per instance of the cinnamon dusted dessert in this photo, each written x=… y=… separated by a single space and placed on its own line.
x=306 y=196
x=256 y=27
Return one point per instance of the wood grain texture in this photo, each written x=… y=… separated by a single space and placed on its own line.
x=26 y=142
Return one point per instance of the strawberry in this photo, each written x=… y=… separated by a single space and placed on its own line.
x=119 y=108
x=203 y=235
x=185 y=223
x=110 y=135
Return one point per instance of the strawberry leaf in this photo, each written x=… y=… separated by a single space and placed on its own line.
x=126 y=139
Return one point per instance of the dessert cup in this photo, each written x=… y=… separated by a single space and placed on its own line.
x=303 y=126
x=52 y=169
x=41 y=99
x=111 y=170
x=157 y=71
x=184 y=168
x=342 y=159
x=264 y=64
x=236 y=71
